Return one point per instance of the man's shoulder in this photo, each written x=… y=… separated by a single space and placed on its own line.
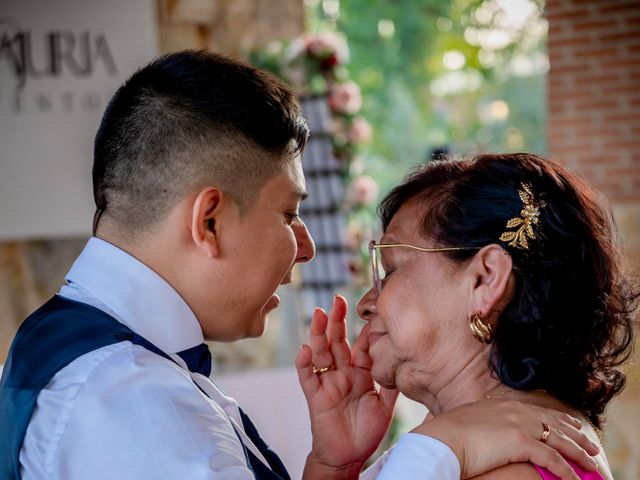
x=133 y=373
x=122 y=363
x=120 y=404
x=122 y=385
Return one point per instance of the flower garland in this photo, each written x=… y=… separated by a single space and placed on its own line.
x=314 y=64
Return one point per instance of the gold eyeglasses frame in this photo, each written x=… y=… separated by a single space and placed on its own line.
x=375 y=262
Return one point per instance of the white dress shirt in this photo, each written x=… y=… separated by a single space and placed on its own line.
x=123 y=412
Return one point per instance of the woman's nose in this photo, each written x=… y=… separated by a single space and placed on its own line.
x=367 y=305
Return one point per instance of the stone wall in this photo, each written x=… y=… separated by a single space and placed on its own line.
x=232 y=27
x=594 y=128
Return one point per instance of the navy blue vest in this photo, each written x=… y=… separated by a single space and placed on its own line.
x=49 y=339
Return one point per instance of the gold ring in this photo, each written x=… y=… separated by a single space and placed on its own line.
x=546 y=431
x=320 y=371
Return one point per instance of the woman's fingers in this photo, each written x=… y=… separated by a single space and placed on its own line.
x=570 y=449
x=389 y=397
x=360 y=354
x=571 y=442
x=566 y=425
x=308 y=380
x=361 y=361
x=545 y=456
x=565 y=440
x=338 y=332
x=318 y=340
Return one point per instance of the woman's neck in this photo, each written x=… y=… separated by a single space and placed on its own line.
x=470 y=383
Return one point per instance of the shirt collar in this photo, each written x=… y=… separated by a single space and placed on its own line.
x=139 y=297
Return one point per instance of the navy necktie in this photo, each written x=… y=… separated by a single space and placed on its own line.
x=198 y=359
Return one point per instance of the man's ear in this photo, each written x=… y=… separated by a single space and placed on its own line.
x=492 y=281
x=204 y=229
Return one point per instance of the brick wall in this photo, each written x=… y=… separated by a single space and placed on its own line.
x=594 y=92
x=594 y=128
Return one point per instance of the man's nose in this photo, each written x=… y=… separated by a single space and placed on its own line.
x=366 y=307
x=306 y=247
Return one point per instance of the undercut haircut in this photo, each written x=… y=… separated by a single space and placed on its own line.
x=185 y=121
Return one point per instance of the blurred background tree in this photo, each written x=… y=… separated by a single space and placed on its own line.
x=461 y=76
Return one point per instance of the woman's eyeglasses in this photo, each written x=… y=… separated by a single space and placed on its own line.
x=375 y=261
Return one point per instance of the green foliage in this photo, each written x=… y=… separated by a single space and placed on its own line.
x=397 y=50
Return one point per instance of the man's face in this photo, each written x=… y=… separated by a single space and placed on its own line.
x=260 y=250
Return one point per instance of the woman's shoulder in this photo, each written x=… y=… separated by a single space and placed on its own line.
x=521 y=471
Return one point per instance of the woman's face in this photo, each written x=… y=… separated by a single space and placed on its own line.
x=419 y=329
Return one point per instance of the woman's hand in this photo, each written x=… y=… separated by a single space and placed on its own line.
x=489 y=434
x=349 y=417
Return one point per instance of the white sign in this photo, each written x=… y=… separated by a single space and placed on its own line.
x=60 y=62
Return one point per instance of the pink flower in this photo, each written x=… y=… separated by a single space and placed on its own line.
x=345 y=98
x=360 y=131
x=328 y=46
x=352 y=237
x=363 y=190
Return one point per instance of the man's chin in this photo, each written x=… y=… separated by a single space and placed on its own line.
x=258 y=327
x=272 y=303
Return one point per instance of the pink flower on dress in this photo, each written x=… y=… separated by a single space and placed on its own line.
x=345 y=98
x=360 y=131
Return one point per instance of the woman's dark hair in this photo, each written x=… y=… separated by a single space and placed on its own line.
x=570 y=323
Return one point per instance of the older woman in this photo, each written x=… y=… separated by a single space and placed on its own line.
x=497 y=277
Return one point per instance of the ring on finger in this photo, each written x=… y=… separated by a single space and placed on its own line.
x=320 y=371
x=546 y=431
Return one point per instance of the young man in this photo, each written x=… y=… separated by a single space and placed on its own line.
x=197 y=181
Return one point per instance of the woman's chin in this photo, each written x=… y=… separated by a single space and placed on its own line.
x=383 y=377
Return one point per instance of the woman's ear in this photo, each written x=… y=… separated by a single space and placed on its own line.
x=204 y=216
x=492 y=281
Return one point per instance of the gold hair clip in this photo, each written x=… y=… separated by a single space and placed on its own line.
x=529 y=216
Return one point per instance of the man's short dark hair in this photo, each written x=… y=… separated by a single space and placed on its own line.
x=187 y=120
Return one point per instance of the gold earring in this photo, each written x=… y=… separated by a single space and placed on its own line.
x=482 y=331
